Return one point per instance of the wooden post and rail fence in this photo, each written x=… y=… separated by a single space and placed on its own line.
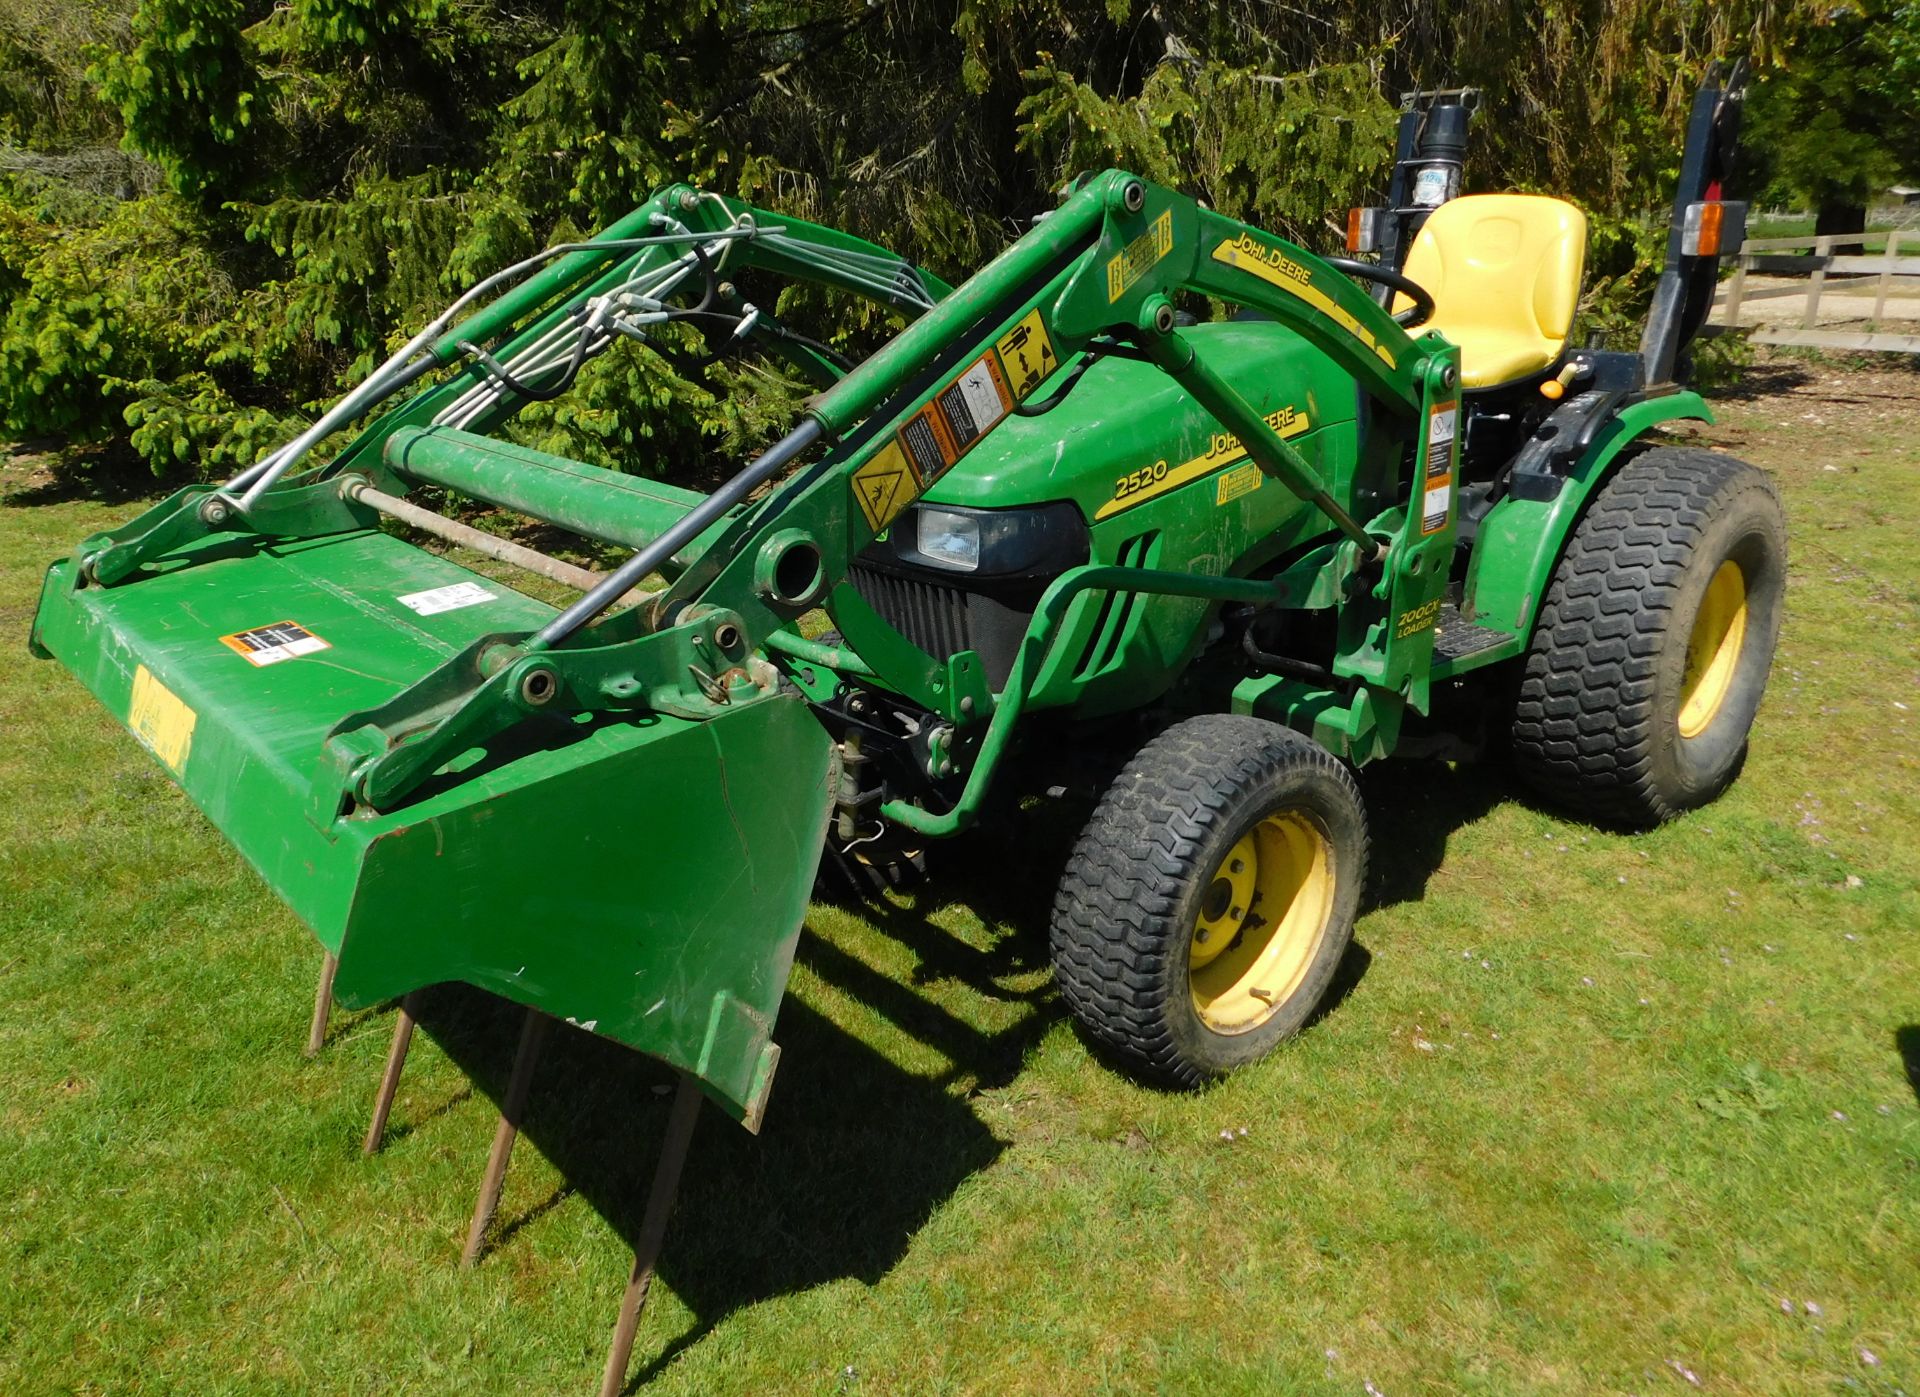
x=1892 y=280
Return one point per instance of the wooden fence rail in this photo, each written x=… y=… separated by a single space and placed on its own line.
x=1888 y=271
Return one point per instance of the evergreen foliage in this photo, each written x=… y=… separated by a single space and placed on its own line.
x=298 y=185
x=1841 y=122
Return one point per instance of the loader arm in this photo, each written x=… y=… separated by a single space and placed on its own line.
x=675 y=240
x=1097 y=269
x=616 y=816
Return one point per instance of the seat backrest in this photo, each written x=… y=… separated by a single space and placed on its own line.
x=1504 y=273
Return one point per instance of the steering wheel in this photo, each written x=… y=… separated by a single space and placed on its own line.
x=1419 y=313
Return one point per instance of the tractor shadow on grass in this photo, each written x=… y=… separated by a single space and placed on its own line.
x=854 y=1157
x=856 y=1154
x=1413 y=809
x=1760 y=380
x=1907 y=1041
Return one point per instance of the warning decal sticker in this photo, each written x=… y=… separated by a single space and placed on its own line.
x=1438 y=499
x=1241 y=480
x=925 y=442
x=972 y=404
x=268 y=645
x=977 y=400
x=959 y=415
x=1139 y=257
x=884 y=485
x=1026 y=354
x=159 y=719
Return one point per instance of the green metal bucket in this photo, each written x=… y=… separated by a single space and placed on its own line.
x=642 y=877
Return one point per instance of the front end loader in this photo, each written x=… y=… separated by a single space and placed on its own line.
x=1153 y=481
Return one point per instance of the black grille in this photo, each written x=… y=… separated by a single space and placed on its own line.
x=932 y=616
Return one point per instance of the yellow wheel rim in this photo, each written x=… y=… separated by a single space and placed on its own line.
x=1713 y=649
x=1262 y=918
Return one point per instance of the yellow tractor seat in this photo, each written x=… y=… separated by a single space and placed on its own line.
x=1504 y=273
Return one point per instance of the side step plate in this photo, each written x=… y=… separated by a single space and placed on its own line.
x=1455 y=638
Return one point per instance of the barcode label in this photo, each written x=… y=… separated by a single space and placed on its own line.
x=441 y=599
x=269 y=645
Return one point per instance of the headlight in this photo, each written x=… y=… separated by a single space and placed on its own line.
x=997 y=549
x=947 y=538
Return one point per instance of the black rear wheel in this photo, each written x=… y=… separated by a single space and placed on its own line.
x=1655 y=641
x=1210 y=897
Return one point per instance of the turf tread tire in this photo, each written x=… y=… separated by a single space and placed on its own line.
x=1601 y=681
x=1126 y=902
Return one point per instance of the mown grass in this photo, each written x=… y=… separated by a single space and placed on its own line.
x=1592 y=1110
x=1879 y=223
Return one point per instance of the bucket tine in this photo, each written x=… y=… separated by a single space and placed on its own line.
x=390 y=1079
x=653 y=1231
x=322 y=1005
x=533 y=1035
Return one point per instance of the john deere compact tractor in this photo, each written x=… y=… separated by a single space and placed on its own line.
x=1149 y=472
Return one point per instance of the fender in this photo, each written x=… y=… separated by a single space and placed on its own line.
x=1520 y=541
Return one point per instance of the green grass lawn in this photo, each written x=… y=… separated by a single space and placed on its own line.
x=1594 y=1113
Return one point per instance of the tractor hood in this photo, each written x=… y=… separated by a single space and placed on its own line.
x=1127 y=433
x=1125 y=469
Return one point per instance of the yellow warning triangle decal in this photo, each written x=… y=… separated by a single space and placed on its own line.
x=883 y=486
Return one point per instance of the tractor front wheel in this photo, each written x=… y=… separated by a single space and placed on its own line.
x=1210 y=897
x=1655 y=640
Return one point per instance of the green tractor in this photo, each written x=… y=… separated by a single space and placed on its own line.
x=1151 y=477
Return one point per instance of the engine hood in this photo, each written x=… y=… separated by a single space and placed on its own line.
x=1127 y=432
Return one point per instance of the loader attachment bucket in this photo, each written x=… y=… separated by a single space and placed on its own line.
x=640 y=875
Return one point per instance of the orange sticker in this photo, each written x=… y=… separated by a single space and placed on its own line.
x=270 y=644
x=1437 y=499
